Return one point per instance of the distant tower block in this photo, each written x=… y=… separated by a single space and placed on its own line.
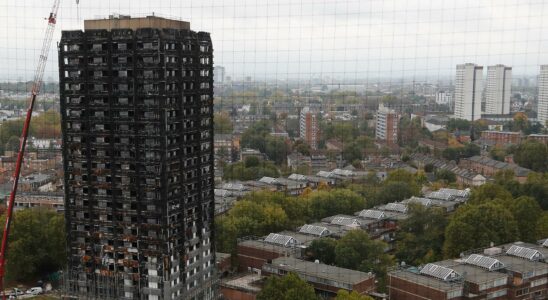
x=468 y=91
x=543 y=95
x=498 y=90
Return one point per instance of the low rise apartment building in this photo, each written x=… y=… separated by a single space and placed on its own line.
x=489 y=167
x=327 y=280
x=512 y=271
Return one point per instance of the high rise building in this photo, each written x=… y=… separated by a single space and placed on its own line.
x=542 y=108
x=468 y=91
x=219 y=74
x=309 y=127
x=498 y=90
x=387 y=125
x=136 y=104
x=444 y=98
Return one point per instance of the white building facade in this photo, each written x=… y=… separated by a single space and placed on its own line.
x=444 y=98
x=468 y=91
x=498 y=90
x=542 y=108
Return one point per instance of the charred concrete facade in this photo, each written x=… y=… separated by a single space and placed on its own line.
x=137 y=122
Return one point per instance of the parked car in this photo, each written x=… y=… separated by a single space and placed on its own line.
x=35 y=290
x=15 y=292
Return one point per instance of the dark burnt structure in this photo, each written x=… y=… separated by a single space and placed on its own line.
x=137 y=122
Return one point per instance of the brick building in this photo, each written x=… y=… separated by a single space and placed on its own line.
x=543 y=138
x=489 y=167
x=309 y=127
x=502 y=138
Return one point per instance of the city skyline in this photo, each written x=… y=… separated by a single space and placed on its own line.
x=346 y=39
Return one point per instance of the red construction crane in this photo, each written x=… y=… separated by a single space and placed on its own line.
x=38 y=75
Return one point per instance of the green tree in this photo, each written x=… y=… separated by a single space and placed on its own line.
x=445 y=175
x=345 y=295
x=12 y=144
x=37 y=244
x=451 y=153
x=475 y=226
x=527 y=213
x=536 y=186
x=276 y=149
x=421 y=235
x=251 y=161
x=470 y=150
x=460 y=124
x=400 y=175
x=301 y=147
x=357 y=251
x=497 y=153
x=393 y=191
x=542 y=226
x=289 y=287
x=489 y=192
x=323 y=249
x=46 y=125
x=254 y=136
x=222 y=123
x=337 y=201
x=239 y=171
x=532 y=155
x=352 y=152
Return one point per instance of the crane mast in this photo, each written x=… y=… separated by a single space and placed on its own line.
x=37 y=83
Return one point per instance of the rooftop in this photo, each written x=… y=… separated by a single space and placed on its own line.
x=320 y=270
x=520 y=265
x=412 y=275
x=127 y=22
x=247 y=282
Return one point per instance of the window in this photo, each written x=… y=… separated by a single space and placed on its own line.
x=496 y=294
x=501 y=281
x=539 y=282
x=522 y=292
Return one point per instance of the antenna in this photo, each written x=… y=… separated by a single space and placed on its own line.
x=78 y=10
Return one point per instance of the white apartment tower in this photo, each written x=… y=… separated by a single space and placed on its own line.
x=468 y=90
x=542 y=108
x=498 y=90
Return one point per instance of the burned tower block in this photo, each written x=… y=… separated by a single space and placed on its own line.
x=137 y=110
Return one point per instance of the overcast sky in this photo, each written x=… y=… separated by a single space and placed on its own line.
x=363 y=39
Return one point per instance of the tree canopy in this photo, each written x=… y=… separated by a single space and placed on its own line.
x=222 y=123
x=532 y=155
x=357 y=251
x=342 y=201
x=250 y=169
x=421 y=235
x=264 y=212
x=475 y=226
x=345 y=295
x=258 y=137
x=37 y=244
x=288 y=287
